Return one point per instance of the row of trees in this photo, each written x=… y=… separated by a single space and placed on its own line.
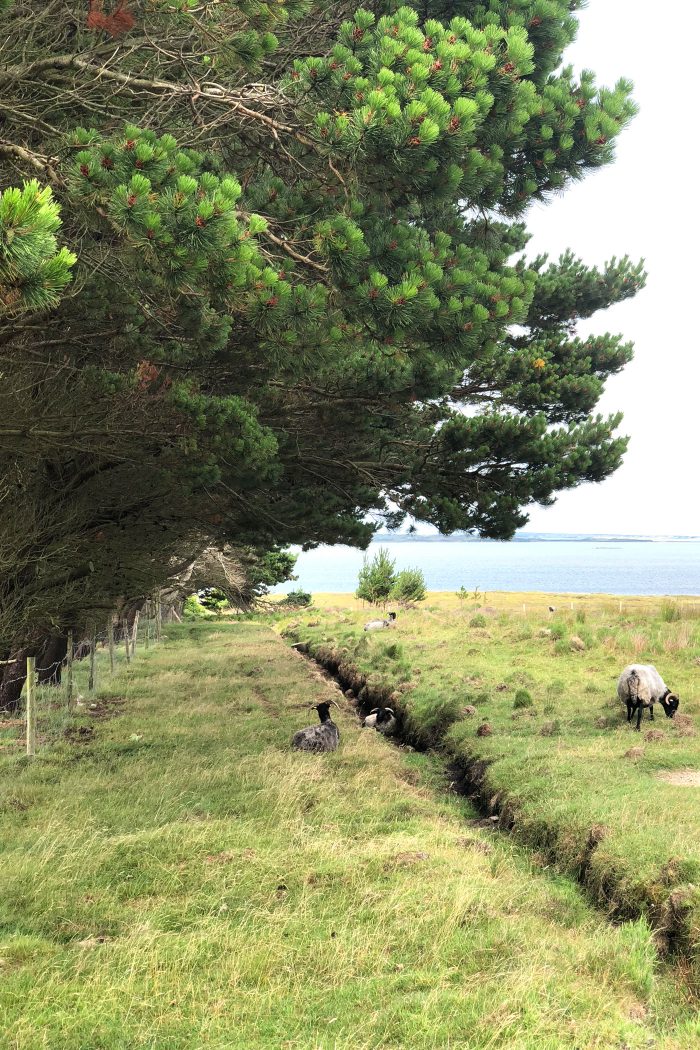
x=263 y=271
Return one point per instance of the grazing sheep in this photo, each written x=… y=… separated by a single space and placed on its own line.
x=380 y=625
x=382 y=719
x=640 y=686
x=323 y=737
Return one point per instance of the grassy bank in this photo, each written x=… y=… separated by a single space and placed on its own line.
x=555 y=764
x=174 y=877
x=529 y=603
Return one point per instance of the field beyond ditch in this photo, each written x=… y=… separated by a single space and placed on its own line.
x=175 y=878
x=557 y=764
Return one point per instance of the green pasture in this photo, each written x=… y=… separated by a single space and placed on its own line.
x=559 y=767
x=175 y=877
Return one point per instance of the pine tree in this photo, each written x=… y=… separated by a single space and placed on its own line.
x=33 y=269
x=376 y=578
x=297 y=255
x=409 y=586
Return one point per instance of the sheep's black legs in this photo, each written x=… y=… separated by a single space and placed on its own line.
x=630 y=710
x=639 y=714
x=651 y=713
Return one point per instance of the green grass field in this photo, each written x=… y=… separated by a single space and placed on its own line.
x=175 y=877
x=557 y=768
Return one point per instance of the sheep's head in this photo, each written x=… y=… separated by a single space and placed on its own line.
x=324 y=709
x=670 y=704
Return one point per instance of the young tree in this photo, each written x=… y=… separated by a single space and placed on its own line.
x=409 y=586
x=376 y=578
x=298 y=239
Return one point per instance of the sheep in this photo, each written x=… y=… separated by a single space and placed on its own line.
x=323 y=737
x=382 y=719
x=380 y=625
x=641 y=685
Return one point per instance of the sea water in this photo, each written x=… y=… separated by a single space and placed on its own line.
x=581 y=567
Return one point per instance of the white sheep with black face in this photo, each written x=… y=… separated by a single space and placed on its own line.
x=382 y=719
x=381 y=625
x=640 y=686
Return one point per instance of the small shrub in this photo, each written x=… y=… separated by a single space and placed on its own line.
x=522 y=699
x=477 y=621
x=394 y=651
x=580 y=616
x=556 y=689
x=297 y=599
x=670 y=612
x=558 y=631
x=561 y=648
x=409 y=586
x=194 y=610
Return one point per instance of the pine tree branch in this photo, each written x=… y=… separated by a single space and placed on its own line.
x=213 y=93
x=43 y=164
x=287 y=248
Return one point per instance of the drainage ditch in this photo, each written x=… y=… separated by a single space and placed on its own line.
x=671 y=917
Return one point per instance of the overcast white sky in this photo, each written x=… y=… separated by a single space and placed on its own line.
x=645 y=205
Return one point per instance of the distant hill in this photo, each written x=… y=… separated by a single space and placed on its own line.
x=530 y=537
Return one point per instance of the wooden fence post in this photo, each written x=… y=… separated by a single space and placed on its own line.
x=110 y=642
x=69 y=669
x=159 y=617
x=93 y=646
x=135 y=632
x=147 y=636
x=127 y=641
x=31 y=707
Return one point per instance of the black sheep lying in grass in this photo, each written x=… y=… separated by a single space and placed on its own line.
x=323 y=737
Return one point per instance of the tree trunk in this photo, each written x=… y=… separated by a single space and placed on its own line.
x=12 y=678
x=50 y=660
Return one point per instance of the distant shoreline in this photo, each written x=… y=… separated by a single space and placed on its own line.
x=582 y=564
x=534 y=537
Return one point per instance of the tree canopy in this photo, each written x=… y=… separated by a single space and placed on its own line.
x=263 y=270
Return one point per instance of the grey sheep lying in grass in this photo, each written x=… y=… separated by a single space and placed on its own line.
x=323 y=737
x=380 y=625
x=640 y=686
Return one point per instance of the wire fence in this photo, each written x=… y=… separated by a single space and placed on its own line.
x=118 y=638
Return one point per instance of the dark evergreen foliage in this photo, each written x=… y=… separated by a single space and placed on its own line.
x=298 y=293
